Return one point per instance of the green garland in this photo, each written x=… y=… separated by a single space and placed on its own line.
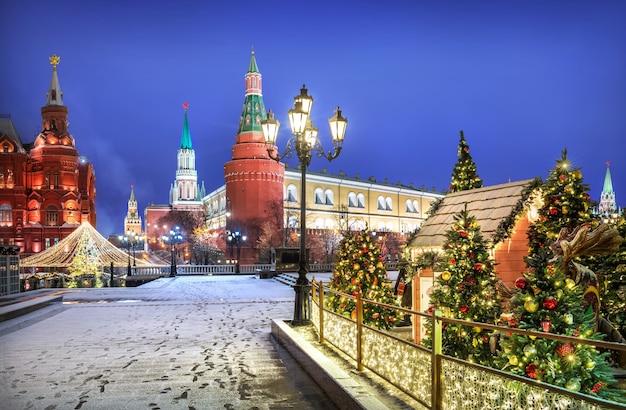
x=504 y=229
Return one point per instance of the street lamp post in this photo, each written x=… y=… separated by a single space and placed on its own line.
x=174 y=238
x=129 y=241
x=234 y=238
x=303 y=142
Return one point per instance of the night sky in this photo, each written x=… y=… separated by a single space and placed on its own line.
x=522 y=79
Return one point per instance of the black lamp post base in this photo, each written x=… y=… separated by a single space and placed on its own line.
x=302 y=305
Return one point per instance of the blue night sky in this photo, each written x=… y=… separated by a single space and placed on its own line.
x=523 y=79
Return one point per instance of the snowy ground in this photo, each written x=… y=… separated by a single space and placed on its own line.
x=198 y=342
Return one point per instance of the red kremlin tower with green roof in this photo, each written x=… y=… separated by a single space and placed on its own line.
x=254 y=182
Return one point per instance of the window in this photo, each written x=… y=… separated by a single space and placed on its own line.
x=409 y=206
x=329 y=197
x=52 y=216
x=352 y=200
x=381 y=203
x=47 y=243
x=6 y=215
x=388 y=204
x=416 y=207
x=319 y=196
x=319 y=223
x=360 y=200
x=292 y=194
x=329 y=223
x=292 y=222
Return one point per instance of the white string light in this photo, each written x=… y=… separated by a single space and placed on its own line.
x=62 y=254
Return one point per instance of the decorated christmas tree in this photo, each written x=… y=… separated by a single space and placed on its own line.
x=464 y=175
x=546 y=300
x=86 y=261
x=359 y=267
x=565 y=205
x=465 y=290
x=611 y=271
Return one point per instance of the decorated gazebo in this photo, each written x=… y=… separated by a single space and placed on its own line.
x=84 y=238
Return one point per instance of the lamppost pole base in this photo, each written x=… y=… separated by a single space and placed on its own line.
x=302 y=305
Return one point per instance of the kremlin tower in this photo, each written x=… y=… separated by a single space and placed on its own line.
x=254 y=182
x=132 y=221
x=608 y=208
x=185 y=192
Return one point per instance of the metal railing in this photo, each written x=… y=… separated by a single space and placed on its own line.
x=226 y=269
x=435 y=380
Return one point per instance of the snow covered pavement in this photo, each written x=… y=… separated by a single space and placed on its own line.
x=196 y=342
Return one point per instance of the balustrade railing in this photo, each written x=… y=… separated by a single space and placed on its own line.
x=438 y=381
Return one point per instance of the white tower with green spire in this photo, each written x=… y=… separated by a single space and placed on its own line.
x=608 y=208
x=185 y=190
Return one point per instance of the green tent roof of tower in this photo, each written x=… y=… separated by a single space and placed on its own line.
x=253 y=111
x=608 y=183
x=185 y=139
x=253 y=67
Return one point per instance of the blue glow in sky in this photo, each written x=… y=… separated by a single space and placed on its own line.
x=522 y=79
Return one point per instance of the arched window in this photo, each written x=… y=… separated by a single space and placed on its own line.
x=416 y=207
x=52 y=216
x=352 y=200
x=319 y=223
x=381 y=203
x=329 y=223
x=388 y=203
x=409 y=205
x=360 y=200
x=380 y=227
x=6 y=215
x=319 y=196
x=292 y=193
x=292 y=222
x=329 y=197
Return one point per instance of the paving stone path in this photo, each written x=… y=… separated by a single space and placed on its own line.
x=181 y=343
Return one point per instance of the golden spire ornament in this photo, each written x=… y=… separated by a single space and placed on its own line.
x=54 y=60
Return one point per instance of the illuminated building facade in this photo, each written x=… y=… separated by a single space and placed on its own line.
x=46 y=188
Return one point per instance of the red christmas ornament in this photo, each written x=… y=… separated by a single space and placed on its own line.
x=463 y=234
x=553 y=211
x=562 y=177
x=521 y=283
x=478 y=267
x=564 y=349
x=464 y=309
x=452 y=262
x=470 y=279
x=550 y=303
x=596 y=387
x=531 y=371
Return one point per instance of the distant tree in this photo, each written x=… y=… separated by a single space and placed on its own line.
x=205 y=245
x=464 y=175
x=187 y=221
